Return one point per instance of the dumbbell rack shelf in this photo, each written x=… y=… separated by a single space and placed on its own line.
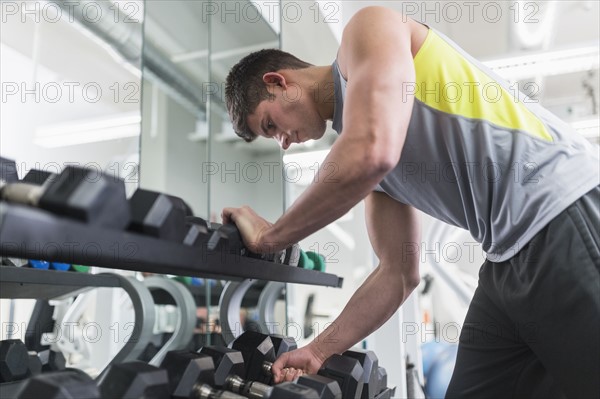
x=20 y=282
x=31 y=233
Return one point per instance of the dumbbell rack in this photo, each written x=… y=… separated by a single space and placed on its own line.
x=31 y=233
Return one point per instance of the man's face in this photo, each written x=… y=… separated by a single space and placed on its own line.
x=288 y=118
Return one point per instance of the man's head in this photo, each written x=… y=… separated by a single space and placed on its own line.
x=265 y=98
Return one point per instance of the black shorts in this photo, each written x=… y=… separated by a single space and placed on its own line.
x=533 y=327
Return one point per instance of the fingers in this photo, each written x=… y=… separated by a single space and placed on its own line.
x=288 y=374
x=227 y=215
x=293 y=374
x=278 y=368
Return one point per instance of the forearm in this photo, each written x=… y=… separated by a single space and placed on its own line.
x=372 y=304
x=347 y=175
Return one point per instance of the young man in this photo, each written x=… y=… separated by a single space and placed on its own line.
x=424 y=126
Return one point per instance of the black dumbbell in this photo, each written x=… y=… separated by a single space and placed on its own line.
x=34 y=366
x=289 y=390
x=374 y=376
x=198 y=232
x=153 y=346
x=14 y=360
x=325 y=387
x=166 y=217
x=79 y=193
x=52 y=360
x=382 y=379
x=8 y=170
x=282 y=344
x=259 y=353
x=134 y=380
x=370 y=365
x=38 y=177
x=229 y=365
x=347 y=372
x=226 y=362
x=306 y=386
x=66 y=384
x=157 y=215
x=16 y=363
x=193 y=374
x=205 y=391
x=227 y=239
x=126 y=380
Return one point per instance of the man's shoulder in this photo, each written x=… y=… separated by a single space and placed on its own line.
x=370 y=28
x=378 y=13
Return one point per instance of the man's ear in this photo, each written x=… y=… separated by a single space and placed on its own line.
x=275 y=78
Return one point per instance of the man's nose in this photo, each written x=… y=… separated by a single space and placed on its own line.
x=284 y=141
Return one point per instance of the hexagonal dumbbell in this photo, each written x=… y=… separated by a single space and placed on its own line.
x=66 y=384
x=79 y=193
x=325 y=387
x=192 y=375
x=347 y=372
x=259 y=353
x=14 y=360
x=52 y=360
x=370 y=365
x=229 y=365
x=134 y=380
x=187 y=371
x=34 y=364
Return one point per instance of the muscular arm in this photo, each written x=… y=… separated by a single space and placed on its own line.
x=394 y=232
x=375 y=119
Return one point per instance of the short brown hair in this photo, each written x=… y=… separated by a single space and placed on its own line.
x=245 y=88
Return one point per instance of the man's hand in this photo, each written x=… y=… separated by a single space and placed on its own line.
x=291 y=365
x=252 y=227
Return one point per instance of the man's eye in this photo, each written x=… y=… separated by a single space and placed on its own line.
x=270 y=125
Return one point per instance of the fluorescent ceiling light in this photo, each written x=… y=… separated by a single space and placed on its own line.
x=547 y=64
x=88 y=131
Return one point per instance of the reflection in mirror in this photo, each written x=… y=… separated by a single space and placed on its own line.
x=241 y=173
x=71 y=91
x=174 y=145
x=71 y=85
x=175 y=130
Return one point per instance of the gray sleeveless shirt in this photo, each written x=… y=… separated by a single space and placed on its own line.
x=479 y=154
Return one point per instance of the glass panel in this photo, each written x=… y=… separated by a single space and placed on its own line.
x=175 y=130
x=71 y=85
x=71 y=91
x=175 y=124
x=242 y=173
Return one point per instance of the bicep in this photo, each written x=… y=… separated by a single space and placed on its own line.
x=394 y=230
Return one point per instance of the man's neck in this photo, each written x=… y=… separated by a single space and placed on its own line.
x=317 y=81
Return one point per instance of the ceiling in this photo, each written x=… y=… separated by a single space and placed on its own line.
x=179 y=29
